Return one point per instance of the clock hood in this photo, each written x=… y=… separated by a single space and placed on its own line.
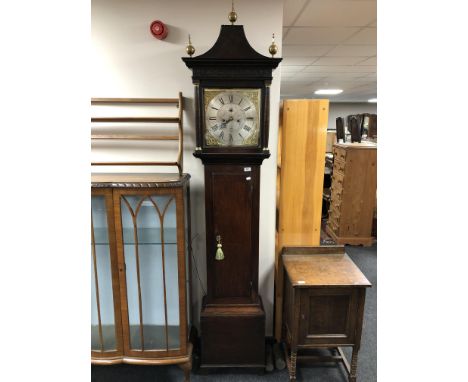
x=232 y=48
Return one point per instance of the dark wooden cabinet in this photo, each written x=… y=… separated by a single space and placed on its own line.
x=140 y=270
x=324 y=295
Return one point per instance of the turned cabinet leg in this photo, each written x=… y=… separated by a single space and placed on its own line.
x=354 y=359
x=292 y=370
x=186 y=367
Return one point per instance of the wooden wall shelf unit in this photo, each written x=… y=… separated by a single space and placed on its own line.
x=301 y=165
x=140 y=230
x=324 y=296
x=353 y=193
x=178 y=102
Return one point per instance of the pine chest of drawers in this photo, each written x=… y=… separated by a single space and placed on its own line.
x=353 y=193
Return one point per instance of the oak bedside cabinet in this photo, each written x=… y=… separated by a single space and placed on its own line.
x=324 y=294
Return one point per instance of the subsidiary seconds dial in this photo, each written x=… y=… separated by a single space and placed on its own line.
x=231 y=119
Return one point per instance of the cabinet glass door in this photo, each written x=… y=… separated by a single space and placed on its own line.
x=149 y=238
x=104 y=338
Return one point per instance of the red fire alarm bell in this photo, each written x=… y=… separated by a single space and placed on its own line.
x=158 y=30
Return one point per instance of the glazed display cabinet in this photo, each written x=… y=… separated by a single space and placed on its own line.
x=140 y=229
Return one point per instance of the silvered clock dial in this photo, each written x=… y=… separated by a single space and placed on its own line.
x=232 y=117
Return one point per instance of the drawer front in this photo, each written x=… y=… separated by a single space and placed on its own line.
x=333 y=224
x=338 y=177
x=339 y=165
x=328 y=316
x=337 y=187
x=339 y=153
x=336 y=198
x=334 y=213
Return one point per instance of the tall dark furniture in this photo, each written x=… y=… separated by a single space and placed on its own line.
x=340 y=129
x=232 y=98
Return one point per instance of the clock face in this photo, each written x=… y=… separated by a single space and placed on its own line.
x=232 y=117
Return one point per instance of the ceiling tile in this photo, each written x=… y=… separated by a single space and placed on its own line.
x=318 y=35
x=291 y=10
x=353 y=50
x=305 y=50
x=343 y=76
x=296 y=89
x=292 y=68
x=337 y=60
x=337 y=84
x=338 y=13
x=369 y=61
x=372 y=76
x=313 y=76
x=298 y=60
x=339 y=69
x=364 y=36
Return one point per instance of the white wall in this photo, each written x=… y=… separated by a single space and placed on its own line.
x=127 y=61
x=343 y=109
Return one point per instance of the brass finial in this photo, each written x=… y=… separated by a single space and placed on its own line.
x=232 y=15
x=190 y=49
x=273 y=49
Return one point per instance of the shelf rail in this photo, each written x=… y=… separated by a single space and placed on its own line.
x=179 y=102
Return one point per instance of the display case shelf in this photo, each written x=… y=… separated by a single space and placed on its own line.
x=146 y=236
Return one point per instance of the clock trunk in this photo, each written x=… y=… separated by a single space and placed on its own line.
x=232 y=204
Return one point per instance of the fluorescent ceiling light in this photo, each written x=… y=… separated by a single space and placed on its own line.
x=329 y=91
x=372 y=100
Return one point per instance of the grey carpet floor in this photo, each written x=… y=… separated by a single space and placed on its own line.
x=365 y=259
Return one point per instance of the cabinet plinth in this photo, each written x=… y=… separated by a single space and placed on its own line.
x=233 y=335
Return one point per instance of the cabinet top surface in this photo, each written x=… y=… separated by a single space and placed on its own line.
x=319 y=270
x=357 y=145
x=136 y=180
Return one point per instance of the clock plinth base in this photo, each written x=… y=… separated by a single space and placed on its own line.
x=233 y=335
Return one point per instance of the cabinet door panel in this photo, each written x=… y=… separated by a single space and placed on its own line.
x=105 y=306
x=150 y=253
x=328 y=316
x=231 y=202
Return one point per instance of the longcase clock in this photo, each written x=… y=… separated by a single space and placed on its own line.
x=232 y=85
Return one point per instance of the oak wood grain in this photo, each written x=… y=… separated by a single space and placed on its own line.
x=323 y=270
x=301 y=151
